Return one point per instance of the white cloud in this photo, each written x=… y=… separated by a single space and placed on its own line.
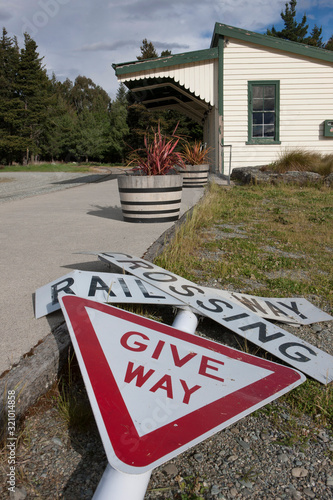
x=86 y=36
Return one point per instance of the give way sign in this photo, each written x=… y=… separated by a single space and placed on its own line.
x=156 y=391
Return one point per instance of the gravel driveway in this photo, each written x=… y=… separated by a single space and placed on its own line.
x=18 y=185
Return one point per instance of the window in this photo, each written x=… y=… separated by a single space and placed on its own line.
x=263 y=126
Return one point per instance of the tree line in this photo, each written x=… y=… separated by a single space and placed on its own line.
x=42 y=118
x=298 y=31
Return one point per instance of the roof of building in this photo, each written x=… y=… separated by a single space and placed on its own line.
x=184 y=81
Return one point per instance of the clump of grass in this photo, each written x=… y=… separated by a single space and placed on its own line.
x=326 y=164
x=313 y=399
x=72 y=400
x=303 y=161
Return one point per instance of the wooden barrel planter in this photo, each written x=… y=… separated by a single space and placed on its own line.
x=152 y=198
x=195 y=175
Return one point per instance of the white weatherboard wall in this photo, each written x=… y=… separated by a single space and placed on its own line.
x=306 y=100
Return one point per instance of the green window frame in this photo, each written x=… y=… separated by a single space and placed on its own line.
x=264 y=112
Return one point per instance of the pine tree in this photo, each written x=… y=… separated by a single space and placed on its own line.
x=147 y=50
x=34 y=91
x=294 y=31
x=91 y=104
x=10 y=105
x=329 y=44
x=118 y=126
x=315 y=39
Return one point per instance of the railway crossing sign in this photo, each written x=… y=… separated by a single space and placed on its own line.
x=102 y=287
x=156 y=391
x=281 y=343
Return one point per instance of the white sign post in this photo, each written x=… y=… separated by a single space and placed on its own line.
x=156 y=390
x=282 y=344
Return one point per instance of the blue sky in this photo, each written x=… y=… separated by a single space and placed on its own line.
x=84 y=37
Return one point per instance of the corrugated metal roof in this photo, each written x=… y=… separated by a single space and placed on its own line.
x=196 y=77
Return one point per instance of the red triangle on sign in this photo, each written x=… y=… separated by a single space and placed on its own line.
x=156 y=391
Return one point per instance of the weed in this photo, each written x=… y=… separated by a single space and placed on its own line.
x=191 y=488
x=313 y=399
x=71 y=399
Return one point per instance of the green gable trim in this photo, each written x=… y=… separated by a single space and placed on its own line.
x=220 y=75
x=165 y=62
x=270 y=41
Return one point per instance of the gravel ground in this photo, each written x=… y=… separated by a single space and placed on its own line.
x=18 y=185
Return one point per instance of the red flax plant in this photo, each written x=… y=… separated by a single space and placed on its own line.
x=195 y=154
x=159 y=155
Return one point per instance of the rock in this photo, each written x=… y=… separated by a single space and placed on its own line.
x=199 y=457
x=283 y=458
x=246 y=484
x=233 y=492
x=57 y=441
x=19 y=494
x=323 y=436
x=329 y=481
x=170 y=470
x=259 y=175
x=299 y=472
x=329 y=180
x=309 y=493
x=215 y=490
x=244 y=444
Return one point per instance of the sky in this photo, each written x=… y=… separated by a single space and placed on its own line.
x=85 y=37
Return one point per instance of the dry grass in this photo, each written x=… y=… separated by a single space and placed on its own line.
x=304 y=161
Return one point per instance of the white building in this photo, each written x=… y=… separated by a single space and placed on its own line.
x=256 y=93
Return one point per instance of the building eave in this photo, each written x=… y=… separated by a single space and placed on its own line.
x=271 y=42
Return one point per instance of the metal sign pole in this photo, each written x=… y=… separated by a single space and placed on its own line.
x=118 y=485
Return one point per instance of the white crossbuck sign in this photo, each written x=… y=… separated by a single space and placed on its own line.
x=282 y=344
x=243 y=314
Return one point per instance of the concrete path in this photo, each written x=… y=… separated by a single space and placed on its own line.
x=45 y=220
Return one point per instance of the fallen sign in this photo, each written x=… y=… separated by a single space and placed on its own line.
x=156 y=391
x=286 y=310
x=102 y=287
x=282 y=344
x=121 y=288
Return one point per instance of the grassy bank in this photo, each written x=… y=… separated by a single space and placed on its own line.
x=265 y=241
x=272 y=241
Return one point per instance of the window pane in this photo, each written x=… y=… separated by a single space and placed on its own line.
x=269 y=118
x=258 y=91
x=269 y=104
x=269 y=91
x=257 y=118
x=269 y=130
x=258 y=105
x=257 y=131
